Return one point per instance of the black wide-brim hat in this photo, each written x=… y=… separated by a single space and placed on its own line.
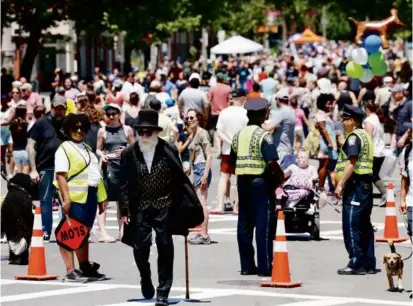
x=148 y=119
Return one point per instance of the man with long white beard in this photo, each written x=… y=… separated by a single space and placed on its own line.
x=155 y=194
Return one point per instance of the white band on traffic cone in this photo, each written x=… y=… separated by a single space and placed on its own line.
x=390 y=195
x=37 y=242
x=391 y=211
x=37 y=224
x=280 y=246
x=280 y=228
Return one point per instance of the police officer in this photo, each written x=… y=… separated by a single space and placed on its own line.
x=354 y=176
x=254 y=157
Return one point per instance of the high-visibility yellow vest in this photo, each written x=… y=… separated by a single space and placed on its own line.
x=247 y=145
x=364 y=163
x=78 y=175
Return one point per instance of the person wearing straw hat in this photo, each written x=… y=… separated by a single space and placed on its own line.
x=254 y=157
x=80 y=185
x=354 y=177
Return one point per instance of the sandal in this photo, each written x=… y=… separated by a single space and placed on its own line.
x=106 y=239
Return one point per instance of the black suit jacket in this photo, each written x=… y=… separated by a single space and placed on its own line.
x=186 y=210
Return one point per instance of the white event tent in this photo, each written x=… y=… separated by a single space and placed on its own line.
x=237 y=44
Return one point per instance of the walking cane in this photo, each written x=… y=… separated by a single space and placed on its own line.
x=186 y=269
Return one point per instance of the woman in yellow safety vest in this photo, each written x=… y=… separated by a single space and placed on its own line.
x=82 y=190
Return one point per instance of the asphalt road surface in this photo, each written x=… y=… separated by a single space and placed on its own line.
x=214 y=270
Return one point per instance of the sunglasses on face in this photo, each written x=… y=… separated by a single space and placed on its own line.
x=111 y=114
x=79 y=129
x=190 y=118
x=145 y=133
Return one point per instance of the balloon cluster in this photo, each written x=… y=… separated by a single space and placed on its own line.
x=367 y=60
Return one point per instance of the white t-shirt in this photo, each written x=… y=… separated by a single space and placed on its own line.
x=230 y=121
x=378 y=134
x=167 y=125
x=128 y=88
x=409 y=196
x=62 y=163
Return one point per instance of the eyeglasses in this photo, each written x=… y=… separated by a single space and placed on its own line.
x=145 y=133
x=111 y=114
x=190 y=118
x=79 y=129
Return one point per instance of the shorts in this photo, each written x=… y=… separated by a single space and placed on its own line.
x=85 y=213
x=198 y=170
x=225 y=165
x=21 y=157
x=5 y=135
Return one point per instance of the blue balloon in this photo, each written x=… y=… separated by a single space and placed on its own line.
x=372 y=43
x=365 y=66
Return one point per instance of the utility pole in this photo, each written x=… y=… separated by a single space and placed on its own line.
x=324 y=21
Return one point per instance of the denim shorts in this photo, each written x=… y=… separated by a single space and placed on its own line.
x=85 y=213
x=5 y=135
x=21 y=157
x=198 y=170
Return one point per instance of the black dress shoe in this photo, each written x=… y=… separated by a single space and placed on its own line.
x=371 y=270
x=148 y=291
x=264 y=274
x=351 y=271
x=251 y=272
x=161 y=301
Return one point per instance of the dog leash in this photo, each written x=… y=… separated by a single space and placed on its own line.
x=410 y=237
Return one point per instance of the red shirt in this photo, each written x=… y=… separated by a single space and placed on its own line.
x=262 y=76
x=219 y=97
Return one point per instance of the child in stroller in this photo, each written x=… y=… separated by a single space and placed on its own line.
x=301 y=178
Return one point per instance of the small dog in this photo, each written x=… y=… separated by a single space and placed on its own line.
x=17 y=218
x=394 y=267
x=381 y=27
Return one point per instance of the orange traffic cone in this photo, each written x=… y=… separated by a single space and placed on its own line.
x=37 y=260
x=391 y=230
x=280 y=267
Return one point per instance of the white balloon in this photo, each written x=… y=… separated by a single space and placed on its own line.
x=367 y=75
x=360 y=56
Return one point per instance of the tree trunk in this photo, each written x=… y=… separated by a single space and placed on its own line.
x=32 y=49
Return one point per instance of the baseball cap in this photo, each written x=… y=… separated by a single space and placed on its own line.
x=155 y=83
x=195 y=76
x=26 y=86
x=398 y=88
x=387 y=79
x=59 y=100
x=352 y=112
x=16 y=84
x=283 y=94
x=113 y=106
x=170 y=102
x=238 y=93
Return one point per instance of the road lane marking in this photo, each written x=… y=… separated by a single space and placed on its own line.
x=50 y=293
x=241 y=292
x=318 y=303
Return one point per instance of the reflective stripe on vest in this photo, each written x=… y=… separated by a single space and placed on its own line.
x=247 y=145
x=364 y=163
x=79 y=184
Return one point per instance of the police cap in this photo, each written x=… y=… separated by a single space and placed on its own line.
x=353 y=112
x=256 y=104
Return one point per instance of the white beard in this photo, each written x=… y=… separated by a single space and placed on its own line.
x=148 y=144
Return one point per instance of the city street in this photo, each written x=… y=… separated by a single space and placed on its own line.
x=214 y=270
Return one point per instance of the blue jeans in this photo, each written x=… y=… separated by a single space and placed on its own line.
x=256 y=209
x=409 y=220
x=357 y=228
x=46 y=192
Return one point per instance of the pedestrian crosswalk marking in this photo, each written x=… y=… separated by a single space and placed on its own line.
x=196 y=293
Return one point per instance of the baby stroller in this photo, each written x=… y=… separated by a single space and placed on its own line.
x=304 y=217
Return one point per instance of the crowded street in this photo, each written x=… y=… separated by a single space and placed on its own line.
x=220 y=152
x=214 y=271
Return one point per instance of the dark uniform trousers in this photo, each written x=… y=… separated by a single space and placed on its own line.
x=256 y=209
x=157 y=219
x=357 y=228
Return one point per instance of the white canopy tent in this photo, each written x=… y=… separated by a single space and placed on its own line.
x=237 y=44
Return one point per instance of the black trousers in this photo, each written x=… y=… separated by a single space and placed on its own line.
x=157 y=220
